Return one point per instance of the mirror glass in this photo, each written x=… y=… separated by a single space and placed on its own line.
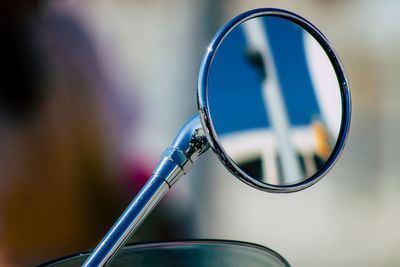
x=274 y=100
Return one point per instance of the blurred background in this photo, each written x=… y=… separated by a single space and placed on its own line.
x=93 y=92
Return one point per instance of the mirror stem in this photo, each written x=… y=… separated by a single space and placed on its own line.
x=176 y=161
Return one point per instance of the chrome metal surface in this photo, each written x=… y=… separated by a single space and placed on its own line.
x=206 y=117
x=189 y=144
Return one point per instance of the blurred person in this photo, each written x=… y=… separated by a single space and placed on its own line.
x=58 y=189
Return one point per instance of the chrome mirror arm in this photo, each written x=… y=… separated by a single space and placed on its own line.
x=176 y=161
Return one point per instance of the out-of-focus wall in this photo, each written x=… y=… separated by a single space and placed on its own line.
x=151 y=51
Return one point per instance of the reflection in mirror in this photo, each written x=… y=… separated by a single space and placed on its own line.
x=274 y=100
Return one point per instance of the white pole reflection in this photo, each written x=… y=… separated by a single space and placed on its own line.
x=256 y=37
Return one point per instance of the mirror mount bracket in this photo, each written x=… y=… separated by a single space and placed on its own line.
x=188 y=145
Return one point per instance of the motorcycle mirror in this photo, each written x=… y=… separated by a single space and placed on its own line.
x=274 y=100
x=274 y=105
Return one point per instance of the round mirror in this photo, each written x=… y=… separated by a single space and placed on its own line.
x=274 y=100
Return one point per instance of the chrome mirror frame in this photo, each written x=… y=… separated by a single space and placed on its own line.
x=204 y=109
